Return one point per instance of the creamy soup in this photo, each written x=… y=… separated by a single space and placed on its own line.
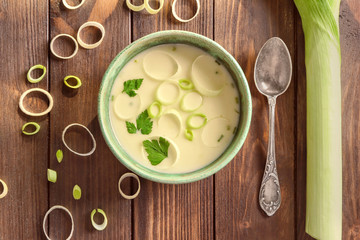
x=174 y=108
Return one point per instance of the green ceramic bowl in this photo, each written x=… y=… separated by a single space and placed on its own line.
x=164 y=37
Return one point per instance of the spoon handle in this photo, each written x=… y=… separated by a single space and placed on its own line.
x=269 y=196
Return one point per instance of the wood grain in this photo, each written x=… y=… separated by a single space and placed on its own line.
x=224 y=206
x=174 y=211
x=98 y=174
x=23 y=159
x=248 y=25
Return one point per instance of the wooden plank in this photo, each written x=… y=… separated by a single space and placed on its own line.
x=174 y=211
x=242 y=27
x=98 y=174
x=23 y=159
x=350 y=52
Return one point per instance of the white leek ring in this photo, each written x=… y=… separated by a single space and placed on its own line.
x=47 y=94
x=176 y=115
x=185 y=20
x=196 y=75
x=61 y=208
x=77 y=153
x=166 y=66
x=162 y=88
x=184 y=105
x=36 y=125
x=72 y=7
x=5 y=189
x=150 y=10
x=126 y=175
x=102 y=226
x=59 y=56
x=36 y=80
x=91 y=24
x=134 y=7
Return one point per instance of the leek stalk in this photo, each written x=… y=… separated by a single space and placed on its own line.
x=320 y=21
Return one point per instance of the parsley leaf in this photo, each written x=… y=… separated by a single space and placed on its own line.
x=130 y=127
x=144 y=123
x=131 y=85
x=157 y=150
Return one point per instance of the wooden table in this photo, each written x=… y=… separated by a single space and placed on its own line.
x=224 y=206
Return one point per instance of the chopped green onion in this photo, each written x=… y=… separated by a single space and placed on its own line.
x=228 y=127
x=77 y=192
x=186 y=84
x=112 y=97
x=234 y=131
x=153 y=114
x=192 y=126
x=189 y=134
x=51 y=175
x=217 y=62
x=36 y=80
x=237 y=100
x=102 y=226
x=220 y=138
x=174 y=48
x=78 y=82
x=59 y=155
x=5 y=189
x=36 y=125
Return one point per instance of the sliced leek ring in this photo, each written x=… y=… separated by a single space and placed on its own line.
x=36 y=125
x=91 y=24
x=126 y=175
x=185 y=20
x=168 y=92
x=36 y=80
x=134 y=7
x=68 y=6
x=189 y=134
x=126 y=107
x=160 y=65
x=173 y=154
x=151 y=112
x=186 y=84
x=208 y=83
x=68 y=36
x=78 y=81
x=61 y=208
x=191 y=101
x=102 y=226
x=150 y=10
x=5 y=189
x=91 y=135
x=169 y=127
x=191 y=125
x=47 y=94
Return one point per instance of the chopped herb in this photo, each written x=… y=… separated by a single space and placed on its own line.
x=174 y=48
x=135 y=61
x=232 y=84
x=157 y=150
x=217 y=72
x=217 y=62
x=131 y=85
x=237 y=100
x=144 y=123
x=237 y=111
x=112 y=97
x=130 y=127
x=234 y=130
x=221 y=137
x=228 y=127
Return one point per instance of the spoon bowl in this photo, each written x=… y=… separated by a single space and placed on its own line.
x=273 y=68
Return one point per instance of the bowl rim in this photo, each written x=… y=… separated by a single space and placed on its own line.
x=176 y=178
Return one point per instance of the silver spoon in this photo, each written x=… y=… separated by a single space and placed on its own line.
x=272 y=77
